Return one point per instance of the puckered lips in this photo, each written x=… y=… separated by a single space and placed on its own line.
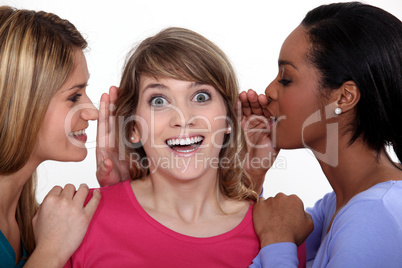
x=185 y=144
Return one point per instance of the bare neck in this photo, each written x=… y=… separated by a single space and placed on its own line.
x=358 y=168
x=163 y=193
x=194 y=207
x=11 y=187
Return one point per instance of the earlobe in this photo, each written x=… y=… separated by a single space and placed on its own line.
x=349 y=96
x=134 y=137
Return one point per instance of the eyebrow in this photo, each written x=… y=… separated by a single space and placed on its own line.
x=78 y=86
x=285 y=62
x=164 y=87
x=155 y=85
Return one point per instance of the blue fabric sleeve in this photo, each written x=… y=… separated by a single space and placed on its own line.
x=277 y=255
x=367 y=232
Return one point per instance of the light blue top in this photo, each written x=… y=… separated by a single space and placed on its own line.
x=367 y=232
x=7 y=254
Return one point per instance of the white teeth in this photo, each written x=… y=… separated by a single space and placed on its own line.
x=77 y=133
x=184 y=141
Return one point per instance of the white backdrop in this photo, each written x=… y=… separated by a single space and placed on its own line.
x=250 y=32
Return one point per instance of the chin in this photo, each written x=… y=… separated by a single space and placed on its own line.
x=185 y=174
x=77 y=156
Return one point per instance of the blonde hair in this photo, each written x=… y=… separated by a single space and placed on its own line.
x=37 y=55
x=185 y=55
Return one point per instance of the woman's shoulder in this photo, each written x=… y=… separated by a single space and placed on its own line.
x=111 y=192
x=232 y=206
x=386 y=193
x=380 y=205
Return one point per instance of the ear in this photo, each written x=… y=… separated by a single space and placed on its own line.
x=135 y=136
x=347 y=96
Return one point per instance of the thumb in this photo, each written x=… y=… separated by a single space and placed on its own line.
x=103 y=171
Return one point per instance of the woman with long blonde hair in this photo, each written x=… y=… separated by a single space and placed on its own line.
x=43 y=76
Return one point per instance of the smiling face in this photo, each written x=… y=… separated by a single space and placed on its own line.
x=182 y=126
x=296 y=102
x=62 y=135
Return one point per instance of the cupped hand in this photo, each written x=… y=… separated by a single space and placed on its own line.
x=255 y=122
x=111 y=164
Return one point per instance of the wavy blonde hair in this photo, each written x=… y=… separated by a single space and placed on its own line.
x=37 y=54
x=185 y=55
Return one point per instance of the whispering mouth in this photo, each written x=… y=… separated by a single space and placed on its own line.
x=185 y=145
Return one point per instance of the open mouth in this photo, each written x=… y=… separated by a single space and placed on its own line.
x=78 y=133
x=185 y=145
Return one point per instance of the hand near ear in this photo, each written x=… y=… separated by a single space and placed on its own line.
x=110 y=168
x=254 y=122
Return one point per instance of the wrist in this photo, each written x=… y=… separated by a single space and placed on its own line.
x=265 y=241
x=42 y=257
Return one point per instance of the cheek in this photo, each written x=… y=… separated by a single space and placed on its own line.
x=53 y=127
x=149 y=127
x=69 y=122
x=218 y=126
x=298 y=106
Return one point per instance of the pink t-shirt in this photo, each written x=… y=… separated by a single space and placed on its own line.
x=122 y=234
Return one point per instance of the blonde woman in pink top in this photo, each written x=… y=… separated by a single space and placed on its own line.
x=189 y=202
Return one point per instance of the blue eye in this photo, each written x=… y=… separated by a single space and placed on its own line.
x=201 y=97
x=158 y=102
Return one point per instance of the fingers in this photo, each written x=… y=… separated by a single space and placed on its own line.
x=246 y=109
x=113 y=94
x=68 y=191
x=92 y=205
x=103 y=121
x=104 y=104
x=112 y=107
x=81 y=194
x=56 y=190
x=263 y=100
x=78 y=197
x=253 y=104
x=103 y=172
x=104 y=168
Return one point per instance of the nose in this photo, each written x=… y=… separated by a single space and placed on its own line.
x=89 y=111
x=271 y=91
x=181 y=116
